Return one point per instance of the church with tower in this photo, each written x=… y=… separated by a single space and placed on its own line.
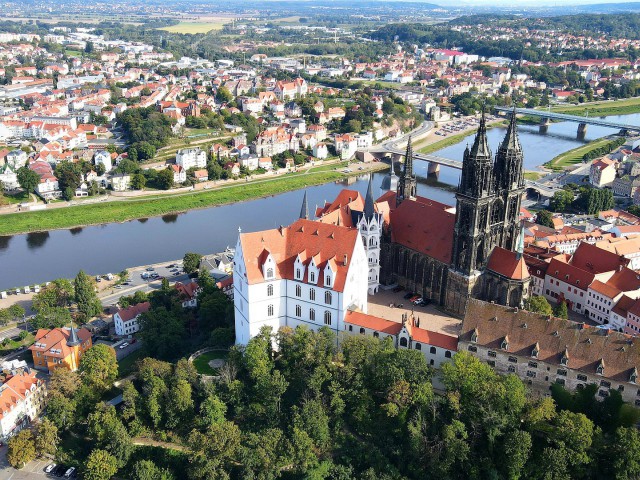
x=474 y=250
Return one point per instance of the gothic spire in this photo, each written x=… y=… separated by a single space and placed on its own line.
x=368 y=202
x=408 y=159
x=480 y=147
x=511 y=141
x=73 y=337
x=304 y=211
x=520 y=246
x=407 y=185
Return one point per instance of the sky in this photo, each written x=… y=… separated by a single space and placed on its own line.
x=559 y=3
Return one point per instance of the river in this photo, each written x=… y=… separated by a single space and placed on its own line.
x=39 y=257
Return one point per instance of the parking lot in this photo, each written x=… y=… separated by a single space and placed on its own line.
x=33 y=470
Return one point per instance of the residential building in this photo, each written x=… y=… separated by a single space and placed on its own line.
x=103 y=157
x=179 y=174
x=22 y=398
x=120 y=182
x=602 y=172
x=126 y=320
x=188 y=293
x=60 y=348
x=191 y=157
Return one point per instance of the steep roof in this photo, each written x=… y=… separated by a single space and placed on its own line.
x=570 y=274
x=590 y=258
x=508 y=264
x=133 y=311
x=305 y=238
x=374 y=323
x=586 y=347
x=54 y=342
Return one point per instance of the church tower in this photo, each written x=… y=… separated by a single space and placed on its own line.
x=369 y=224
x=472 y=241
x=509 y=180
x=407 y=185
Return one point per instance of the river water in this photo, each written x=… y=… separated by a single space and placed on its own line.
x=39 y=257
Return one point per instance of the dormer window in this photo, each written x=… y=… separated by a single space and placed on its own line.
x=536 y=351
x=564 y=360
x=474 y=335
x=298 y=274
x=327 y=281
x=634 y=375
x=312 y=277
x=505 y=343
x=600 y=367
x=269 y=274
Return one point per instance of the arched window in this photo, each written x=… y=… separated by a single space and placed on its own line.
x=361 y=331
x=418 y=346
x=298 y=311
x=298 y=291
x=298 y=274
x=327 y=280
x=312 y=277
x=270 y=310
x=327 y=318
x=403 y=342
x=270 y=290
x=327 y=298
x=312 y=315
x=432 y=350
x=376 y=334
x=447 y=354
x=269 y=272
x=312 y=294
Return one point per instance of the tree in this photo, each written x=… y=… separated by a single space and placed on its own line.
x=561 y=310
x=164 y=179
x=561 y=200
x=99 y=367
x=545 y=218
x=147 y=470
x=16 y=311
x=85 y=295
x=69 y=175
x=191 y=262
x=138 y=181
x=28 y=179
x=223 y=95
x=58 y=293
x=100 y=465
x=46 y=437
x=538 y=304
x=55 y=317
x=163 y=333
x=21 y=449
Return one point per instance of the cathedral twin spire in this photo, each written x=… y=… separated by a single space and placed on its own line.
x=407 y=186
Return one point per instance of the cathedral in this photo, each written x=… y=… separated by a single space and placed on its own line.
x=449 y=255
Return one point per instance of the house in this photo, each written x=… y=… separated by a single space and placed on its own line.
x=543 y=350
x=191 y=158
x=103 y=157
x=60 y=348
x=346 y=146
x=126 y=320
x=188 y=293
x=297 y=275
x=201 y=175
x=602 y=172
x=179 y=174
x=120 y=182
x=226 y=285
x=604 y=295
x=233 y=168
x=250 y=162
x=320 y=150
x=22 y=398
x=286 y=90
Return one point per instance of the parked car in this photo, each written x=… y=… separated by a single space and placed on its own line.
x=124 y=345
x=70 y=473
x=150 y=269
x=414 y=298
x=49 y=468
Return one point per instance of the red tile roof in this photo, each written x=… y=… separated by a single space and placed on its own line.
x=508 y=264
x=373 y=323
x=593 y=259
x=53 y=343
x=133 y=311
x=570 y=274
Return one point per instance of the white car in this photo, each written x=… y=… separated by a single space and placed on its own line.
x=49 y=468
x=124 y=345
x=69 y=473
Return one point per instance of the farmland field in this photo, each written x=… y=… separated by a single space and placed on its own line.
x=195 y=27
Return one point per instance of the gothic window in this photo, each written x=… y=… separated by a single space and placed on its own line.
x=403 y=342
x=327 y=281
x=447 y=354
x=298 y=311
x=432 y=350
x=270 y=310
x=312 y=294
x=298 y=291
x=312 y=315
x=312 y=277
x=298 y=274
x=496 y=212
x=361 y=330
x=327 y=298
x=327 y=318
x=270 y=290
x=269 y=272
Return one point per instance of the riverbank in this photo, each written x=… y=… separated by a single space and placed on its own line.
x=626 y=106
x=121 y=211
x=433 y=143
x=574 y=156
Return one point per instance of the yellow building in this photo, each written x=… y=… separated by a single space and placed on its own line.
x=60 y=347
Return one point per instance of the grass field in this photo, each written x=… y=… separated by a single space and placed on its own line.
x=202 y=362
x=120 y=211
x=574 y=156
x=533 y=175
x=125 y=366
x=599 y=109
x=194 y=27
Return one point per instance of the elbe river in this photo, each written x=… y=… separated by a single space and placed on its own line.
x=39 y=257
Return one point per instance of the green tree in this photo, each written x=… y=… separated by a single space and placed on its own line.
x=544 y=218
x=223 y=95
x=100 y=465
x=138 y=181
x=191 y=262
x=21 y=449
x=147 y=470
x=99 y=367
x=58 y=293
x=85 y=295
x=46 y=437
x=16 y=311
x=561 y=310
x=55 y=317
x=538 y=304
x=165 y=179
x=625 y=454
x=28 y=179
x=561 y=200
